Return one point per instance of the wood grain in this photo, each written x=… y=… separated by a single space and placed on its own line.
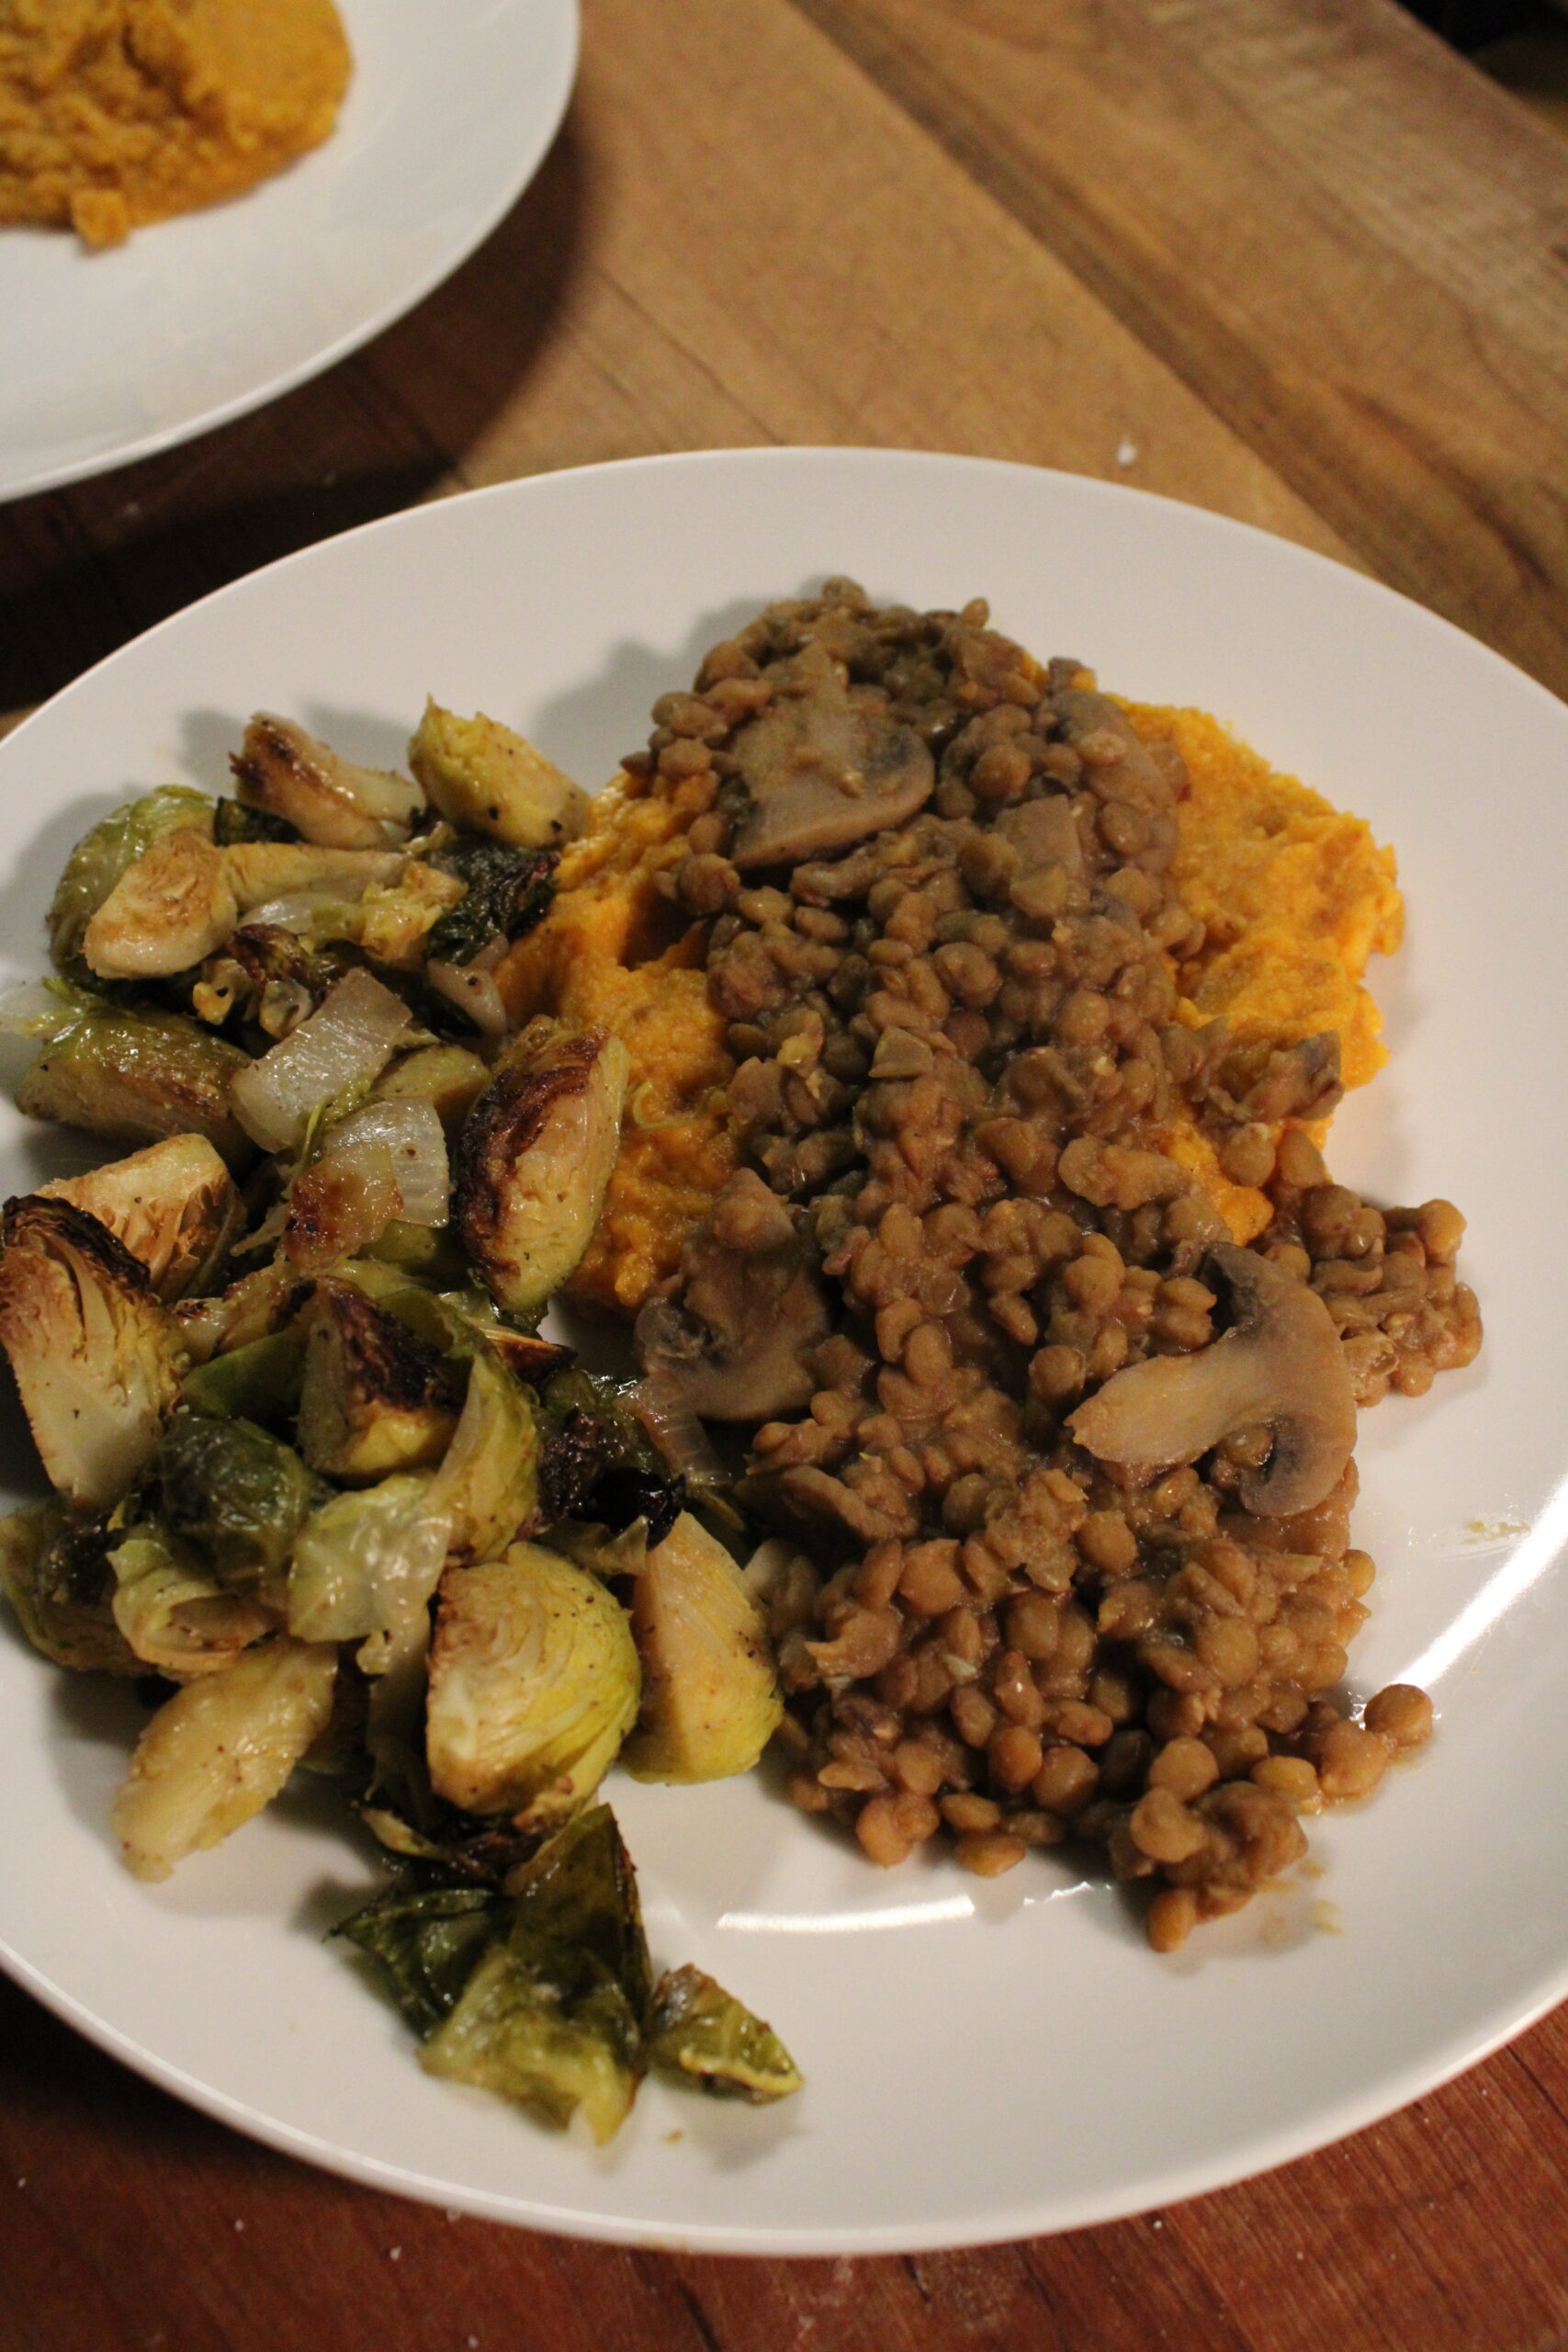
x=1352 y=247
x=1288 y=259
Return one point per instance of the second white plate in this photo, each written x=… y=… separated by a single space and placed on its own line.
x=108 y=356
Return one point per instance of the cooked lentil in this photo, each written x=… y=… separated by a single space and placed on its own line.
x=958 y=1053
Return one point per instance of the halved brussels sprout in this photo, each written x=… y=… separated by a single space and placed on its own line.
x=54 y=1571
x=97 y=1358
x=552 y=2015
x=711 y=1699
x=172 y=1206
x=102 y=855
x=168 y=911
x=236 y=1495
x=220 y=1750
x=376 y=1399
x=534 y=1161
x=698 y=2033
x=488 y=1482
x=487 y=779
x=137 y=1077
x=534 y=1684
x=175 y=1616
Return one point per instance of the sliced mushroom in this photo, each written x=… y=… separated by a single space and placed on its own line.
x=331 y=802
x=733 y=1334
x=169 y=910
x=1044 y=833
x=822 y=766
x=1279 y=1364
x=1093 y=724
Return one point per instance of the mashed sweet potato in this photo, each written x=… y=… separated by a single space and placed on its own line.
x=114 y=113
x=1294 y=897
x=613 y=950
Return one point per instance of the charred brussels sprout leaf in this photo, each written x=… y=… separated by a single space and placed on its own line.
x=233 y=821
x=506 y=892
x=425 y=1943
x=237 y=1494
x=552 y=2015
x=597 y=1463
x=700 y=2035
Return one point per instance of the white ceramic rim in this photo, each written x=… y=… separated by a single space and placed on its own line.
x=1452 y=2056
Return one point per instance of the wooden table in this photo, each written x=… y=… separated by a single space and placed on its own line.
x=1286 y=258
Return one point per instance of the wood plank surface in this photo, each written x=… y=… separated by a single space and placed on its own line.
x=1288 y=259
x=1355 y=250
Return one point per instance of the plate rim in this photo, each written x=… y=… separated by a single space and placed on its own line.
x=154 y=442
x=1318 y=2127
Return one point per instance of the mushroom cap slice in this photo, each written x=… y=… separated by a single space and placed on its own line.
x=822 y=766
x=732 y=1339
x=1280 y=1364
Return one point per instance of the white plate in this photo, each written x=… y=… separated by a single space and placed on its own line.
x=984 y=2061
x=108 y=356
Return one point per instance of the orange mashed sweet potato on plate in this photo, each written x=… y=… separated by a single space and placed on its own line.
x=1294 y=896
x=114 y=113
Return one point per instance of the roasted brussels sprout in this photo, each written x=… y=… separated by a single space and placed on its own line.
x=711 y=1699
x=169 y=911
x=97 y=1357
x=172 y=1206
x=331 y=802
x=376 y=1399
x=488 y=780
x=551 y=2017
x=220 y=1750
x=137 y=1077
x=598 y=1464
x=699 y=2033
x=365 y=1566
x=426 y=1942
x=534 y=1159
x=534 y=1685
x=174 y=1614
x=488 y=1483
x=505 y=893
x=102 y=855
x=236 y=1496
x=56 y=1572
x=261 y=1380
